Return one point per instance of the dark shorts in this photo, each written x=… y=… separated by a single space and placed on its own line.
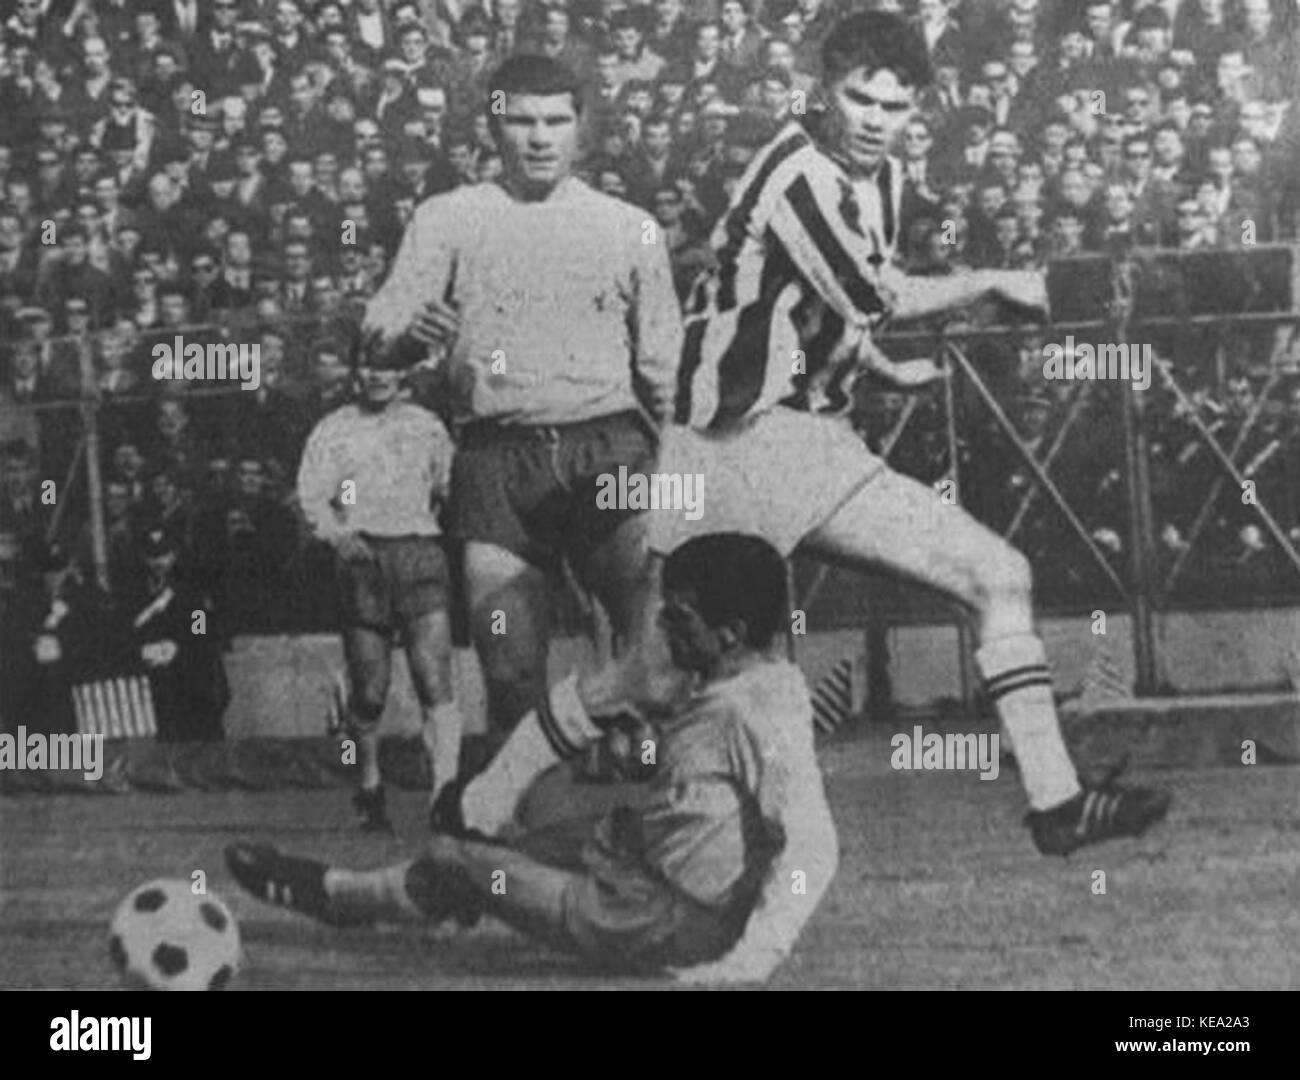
x=406 y=579
x=532 y=490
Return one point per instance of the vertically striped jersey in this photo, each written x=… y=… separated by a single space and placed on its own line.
x=800 y=256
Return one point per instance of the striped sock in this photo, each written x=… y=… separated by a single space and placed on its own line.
x=1018 y=682
x=557 y=729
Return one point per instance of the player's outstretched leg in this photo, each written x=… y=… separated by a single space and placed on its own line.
x=410 y=891
x=898 y=524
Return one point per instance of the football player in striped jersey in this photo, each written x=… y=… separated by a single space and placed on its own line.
x=774 y=339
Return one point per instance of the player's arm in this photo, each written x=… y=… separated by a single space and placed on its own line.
x=833 y=256
x=318 y=490
x=411 y=305
x=441 y=451
x=920 y=296
x=913 y=297
x=657 y=316
x=795 y=884
x=318 y=483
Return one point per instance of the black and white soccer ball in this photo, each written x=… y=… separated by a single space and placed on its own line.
x=167 y=937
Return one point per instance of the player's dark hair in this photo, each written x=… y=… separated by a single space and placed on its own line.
x=538 y=75
x=732 y=576
x=874 y=40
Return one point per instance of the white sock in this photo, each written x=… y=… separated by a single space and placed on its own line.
x=544 y=737
x=375 y=895
x=1018 y=681
x=441 y=734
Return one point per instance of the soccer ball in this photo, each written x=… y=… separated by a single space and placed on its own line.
x=165 y=937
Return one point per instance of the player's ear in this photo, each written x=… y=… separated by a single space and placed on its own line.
x=733 y=635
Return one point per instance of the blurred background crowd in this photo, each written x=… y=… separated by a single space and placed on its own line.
x=242 y=170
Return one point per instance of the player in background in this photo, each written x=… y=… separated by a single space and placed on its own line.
x=553 y=315
x=775 y=337
x=370 y=477
x=634 y=876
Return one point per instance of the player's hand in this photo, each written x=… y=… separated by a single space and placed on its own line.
x=437 y=325
x=159 y=653
x=1027 y=288
x=48 y=649
x=644 y=680
x=352 y=548
x=905 y=374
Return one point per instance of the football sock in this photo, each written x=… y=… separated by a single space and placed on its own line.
x=1018 y=682
x=556 y=729
x=441 y=733
x=374 y=895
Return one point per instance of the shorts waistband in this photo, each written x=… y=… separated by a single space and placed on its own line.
x=370 y=537
x=476 y=433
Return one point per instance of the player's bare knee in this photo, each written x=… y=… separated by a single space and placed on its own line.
x=1001 y=580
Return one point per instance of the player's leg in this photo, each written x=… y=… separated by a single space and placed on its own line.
x=619 y=572
x=421 y=592
x=898 y=524
x=605 y=548
x=366 y=653
x=623 y=919
x=510 y=612
x=452 y=878
x=428 y=652
x=510 y=621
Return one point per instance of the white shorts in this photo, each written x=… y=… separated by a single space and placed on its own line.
x=779 y=477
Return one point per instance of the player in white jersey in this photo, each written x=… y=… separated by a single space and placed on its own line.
x=774 y=339
x=637 y=872
x=371 y=476
x=559 y=333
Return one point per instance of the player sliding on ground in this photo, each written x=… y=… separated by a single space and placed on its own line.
x=774 y=339
x=649 y=851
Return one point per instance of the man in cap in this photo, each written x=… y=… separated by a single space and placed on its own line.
x=174 y=644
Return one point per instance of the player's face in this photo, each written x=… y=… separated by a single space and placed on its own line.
x=693 y=645
x=378 y=386
x=868 y=111
x=539 y=135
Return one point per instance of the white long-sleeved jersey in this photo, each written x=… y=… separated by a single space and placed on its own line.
x=561 y=302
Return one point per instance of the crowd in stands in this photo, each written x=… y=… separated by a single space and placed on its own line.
x=242 y=170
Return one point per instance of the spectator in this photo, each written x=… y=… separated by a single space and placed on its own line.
x=184 y=668
x=54 y=633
